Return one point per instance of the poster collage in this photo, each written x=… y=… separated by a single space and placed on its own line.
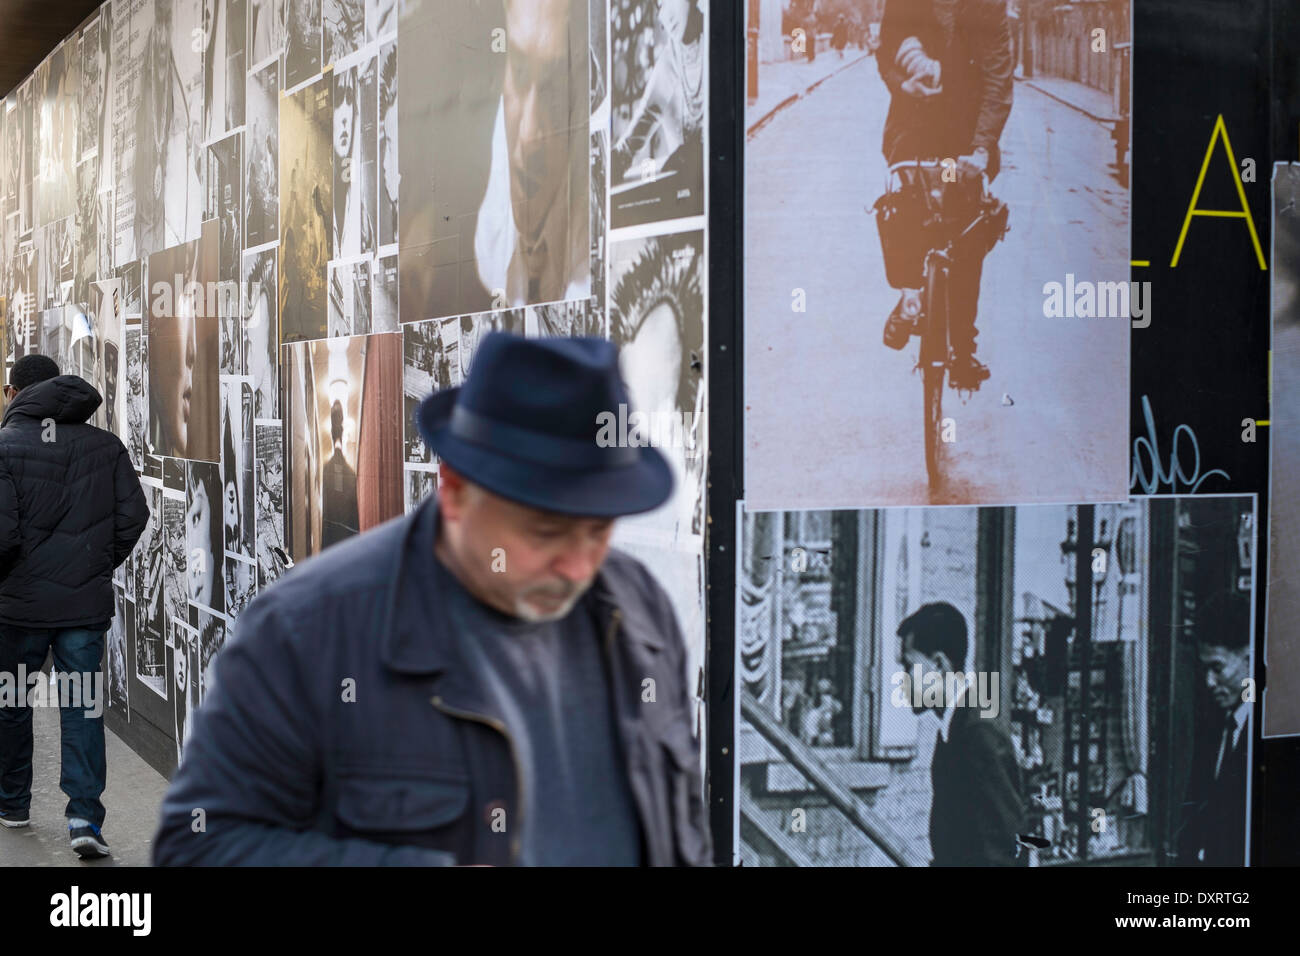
x=951 y=496
x=206 y=210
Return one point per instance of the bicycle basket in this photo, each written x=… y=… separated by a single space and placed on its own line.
x=908 y=227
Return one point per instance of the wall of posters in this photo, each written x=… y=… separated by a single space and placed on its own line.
x=206 y=210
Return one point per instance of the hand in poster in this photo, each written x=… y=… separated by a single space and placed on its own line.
x=975 y=164
x=923 y=72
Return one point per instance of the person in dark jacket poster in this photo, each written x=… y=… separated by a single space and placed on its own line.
x=977 y=812
x=948 y=67
x=71 y=510
x=482 y=681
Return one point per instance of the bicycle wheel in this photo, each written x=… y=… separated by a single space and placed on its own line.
x=934 y=362
x=932 y=378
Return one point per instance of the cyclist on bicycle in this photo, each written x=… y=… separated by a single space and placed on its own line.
x=948 y=67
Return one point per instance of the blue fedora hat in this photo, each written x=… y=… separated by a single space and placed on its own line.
x=524 y=425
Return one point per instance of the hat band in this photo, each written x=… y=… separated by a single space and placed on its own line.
x=536 y=446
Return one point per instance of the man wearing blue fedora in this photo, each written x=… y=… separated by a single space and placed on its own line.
x=484 y=681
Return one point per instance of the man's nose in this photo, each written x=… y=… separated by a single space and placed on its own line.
x=577 y=563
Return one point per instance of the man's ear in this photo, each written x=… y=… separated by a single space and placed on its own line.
x=451 y=491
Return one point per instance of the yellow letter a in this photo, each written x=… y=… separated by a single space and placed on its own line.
x=1244 y=213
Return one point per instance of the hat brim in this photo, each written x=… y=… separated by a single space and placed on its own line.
x=597 y=493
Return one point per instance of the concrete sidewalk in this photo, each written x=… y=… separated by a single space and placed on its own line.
x=1093 y=103
x=133 y=799
x=785 y=81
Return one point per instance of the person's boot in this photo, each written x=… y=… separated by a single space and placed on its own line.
x=967 y=372
x=902 y=322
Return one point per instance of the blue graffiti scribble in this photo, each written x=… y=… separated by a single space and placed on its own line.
x=1150 y=483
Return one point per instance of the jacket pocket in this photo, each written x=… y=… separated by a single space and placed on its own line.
x=690 y=826
x=390 y=804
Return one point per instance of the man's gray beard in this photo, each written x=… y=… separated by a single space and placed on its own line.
x=525 y=612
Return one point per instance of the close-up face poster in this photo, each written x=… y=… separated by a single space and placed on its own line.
x=813 y=433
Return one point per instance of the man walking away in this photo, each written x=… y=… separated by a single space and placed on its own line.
x=71 y=510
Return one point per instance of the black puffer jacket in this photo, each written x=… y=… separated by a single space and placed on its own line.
x=71 y=508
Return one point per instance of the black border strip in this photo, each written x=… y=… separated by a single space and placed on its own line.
x=725 y=349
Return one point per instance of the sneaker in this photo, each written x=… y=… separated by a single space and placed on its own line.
x=967 y=372
x=901 y=324
x=14 y=818
x=87 y=841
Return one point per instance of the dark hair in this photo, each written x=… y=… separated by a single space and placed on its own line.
x=1223 y=620
x=345 y=89
x=336 y=422
x=31 y=369
x=209 y=476
x=665 y=273
x=937 y=628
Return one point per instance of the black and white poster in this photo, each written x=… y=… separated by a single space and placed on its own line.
x=302 y=48
x=342 y=443
x=384 y=313
x=354 y=137
x=237 y=467
x=176 y=595
x=509 y=223
x=1038 y=685
x=204 y=535
x=427 y=361
x=657 y=110
x=389 y=176
x=306 y=221
x=148 y=561
x=136 y=401
x=262 y=162
x=272 y=555
x=261 y=333
x=185 y=349
x=224 y=201
x=344 y=28
x=656 y=317
x=420 y=484
x=266 y=31
x=115 y=670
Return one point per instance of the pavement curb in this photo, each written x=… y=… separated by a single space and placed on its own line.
x=796 y=97
x=1074 y=106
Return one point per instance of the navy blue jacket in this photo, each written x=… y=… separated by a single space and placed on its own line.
x=71 y=508
x=342 y=726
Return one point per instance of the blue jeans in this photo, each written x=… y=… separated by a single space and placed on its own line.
x=76 y=651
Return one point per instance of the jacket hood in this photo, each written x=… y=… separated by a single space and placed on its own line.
x=68 y=399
